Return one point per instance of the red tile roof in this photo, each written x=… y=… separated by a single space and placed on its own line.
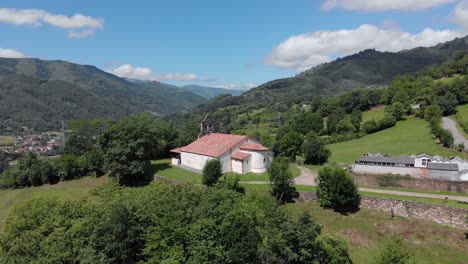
x=213 y=145
x=255 y=147
x=240 y=155
x=176 y=150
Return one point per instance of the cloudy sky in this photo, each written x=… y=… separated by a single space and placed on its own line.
x=232 y=44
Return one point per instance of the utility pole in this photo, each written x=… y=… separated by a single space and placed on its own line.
x=63 y=136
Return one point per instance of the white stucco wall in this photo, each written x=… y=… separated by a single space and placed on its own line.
x=237 y=166
x=373 y=169
x=195 y=161
x=259 y=161
x=175 y=161
x=225 y=160
x=418 y=162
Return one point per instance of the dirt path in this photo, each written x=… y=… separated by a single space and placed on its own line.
x=307 y=178
x=458 y=137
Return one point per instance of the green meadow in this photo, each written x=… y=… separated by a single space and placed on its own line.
x=410 y=136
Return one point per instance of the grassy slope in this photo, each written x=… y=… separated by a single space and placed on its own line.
x=164 y=169
x=367 y=229
x=64 y=190
x=377 y=114
x=411 y=136
x=462 y=113
x=7 y=140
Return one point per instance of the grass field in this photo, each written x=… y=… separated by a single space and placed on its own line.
x=63 y=190
x=367 y=229
x=163 y=168
x=376 y=113
x=461 y=117
x=411 y=136
x=7 y=140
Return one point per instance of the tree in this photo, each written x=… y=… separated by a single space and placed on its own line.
x=336 y=188
x=68 y=167
x=396 y=110
x=212 y=171
x=281 y=179
x=356 y=118
x=393 y=252
x=333 y=250
x=314 y=150
x=432 y=112
x=370 y=126
x=128 y=147
x=290 y=145
x=447 y=104
x=446 y=138
x=345 y=126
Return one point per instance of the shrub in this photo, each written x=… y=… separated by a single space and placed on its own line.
x=336 y=188
x=281 y=179
x=314 y=151
x=393 y=252
x=212 y=171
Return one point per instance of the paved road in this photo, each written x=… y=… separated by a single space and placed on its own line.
x=458 y=137
x=307 y=178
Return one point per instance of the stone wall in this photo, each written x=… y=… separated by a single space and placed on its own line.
x=445 y=215
x=413 y=183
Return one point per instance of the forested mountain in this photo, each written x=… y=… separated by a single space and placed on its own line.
x=209 y=92
x=365 y=69
x=39 y=93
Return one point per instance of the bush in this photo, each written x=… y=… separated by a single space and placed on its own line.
x=336 y=188
x=393 y=252
x=314 y=151
x=281 y=179
x=446 y=138
x=163 y=223
x=212 y=171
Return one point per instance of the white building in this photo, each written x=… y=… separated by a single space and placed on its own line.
x=237 y=153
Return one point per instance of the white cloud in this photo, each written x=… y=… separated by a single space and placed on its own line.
x=304 y=51
x=383 y=5
x=460 y=14
x=144 y=73
x=37 y=17
x=11 y=53
x=242 y=86
x=81 y=34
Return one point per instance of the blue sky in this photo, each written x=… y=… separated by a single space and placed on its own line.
x=234 y=44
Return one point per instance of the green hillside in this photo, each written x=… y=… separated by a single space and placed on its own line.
x=72 y=190
x=411 y=136
x=377 y=114
x=44 y=92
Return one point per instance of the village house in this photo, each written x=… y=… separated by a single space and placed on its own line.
x=237 y=153
x=420 y=166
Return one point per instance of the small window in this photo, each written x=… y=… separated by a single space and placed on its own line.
x=264 y=160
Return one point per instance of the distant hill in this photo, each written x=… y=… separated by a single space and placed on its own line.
x=209 y=92
x=75 y=91
x=203 y=91
x=364 y=69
